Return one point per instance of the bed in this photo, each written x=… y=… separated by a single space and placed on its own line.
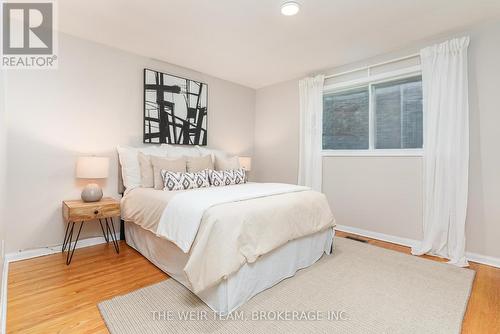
x=227 y=244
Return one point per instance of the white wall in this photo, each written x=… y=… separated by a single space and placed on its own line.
x=379 y=194
x=383 y=194
x=89 y=105
x=3 y=170
x=276 y=123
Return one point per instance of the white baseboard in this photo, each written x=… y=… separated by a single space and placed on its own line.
x=473 y=257
x=483 y=259
x=379 y=236
x=32 y=253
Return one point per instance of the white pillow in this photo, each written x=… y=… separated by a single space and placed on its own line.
x=177 y=151
x=131 y=171
x=213 y=152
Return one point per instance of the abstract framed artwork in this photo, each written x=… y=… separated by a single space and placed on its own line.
x=175 y=109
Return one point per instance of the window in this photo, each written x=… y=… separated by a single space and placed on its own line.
x=375 y=116
x=345 y=120
x=398 y=114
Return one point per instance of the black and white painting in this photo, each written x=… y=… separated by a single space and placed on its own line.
x=175 y=109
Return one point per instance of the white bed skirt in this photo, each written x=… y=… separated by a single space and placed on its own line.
x=251 y=279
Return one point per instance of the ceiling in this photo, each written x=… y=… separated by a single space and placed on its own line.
x=249 y=42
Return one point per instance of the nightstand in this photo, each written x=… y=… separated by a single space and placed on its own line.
x=79 y=211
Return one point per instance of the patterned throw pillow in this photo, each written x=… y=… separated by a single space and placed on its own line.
x=227 y=177
x=182 y=180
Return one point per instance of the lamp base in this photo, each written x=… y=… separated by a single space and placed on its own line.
x=92 y=193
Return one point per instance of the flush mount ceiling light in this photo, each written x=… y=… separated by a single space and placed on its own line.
x=290 y=8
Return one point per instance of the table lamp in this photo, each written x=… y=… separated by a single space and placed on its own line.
x=92 y=168
x=246 y=163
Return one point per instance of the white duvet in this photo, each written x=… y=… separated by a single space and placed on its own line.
x=224 y=227
x=182 y=217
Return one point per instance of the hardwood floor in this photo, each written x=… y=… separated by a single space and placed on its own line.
x=46 y=296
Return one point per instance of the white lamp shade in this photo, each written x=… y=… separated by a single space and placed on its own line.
x=246 y=163
x=92 y=168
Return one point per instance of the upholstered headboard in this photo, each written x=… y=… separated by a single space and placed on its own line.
x=121 y=187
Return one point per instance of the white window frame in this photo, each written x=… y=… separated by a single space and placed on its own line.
x=369 y=81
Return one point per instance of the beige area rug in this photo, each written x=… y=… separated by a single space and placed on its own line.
x=360 y=288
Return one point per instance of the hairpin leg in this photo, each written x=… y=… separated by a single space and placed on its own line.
x=69 y=257
x=66 y=237
x=113 y=234
x=106 y=235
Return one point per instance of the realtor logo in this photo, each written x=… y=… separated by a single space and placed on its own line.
x=28 y=35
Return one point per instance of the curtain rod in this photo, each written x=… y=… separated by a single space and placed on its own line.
x=374 y=65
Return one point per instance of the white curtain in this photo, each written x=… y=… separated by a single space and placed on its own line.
x=446 y=149
x=311 y=131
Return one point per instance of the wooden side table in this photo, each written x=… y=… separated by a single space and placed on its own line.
x=79 y=211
